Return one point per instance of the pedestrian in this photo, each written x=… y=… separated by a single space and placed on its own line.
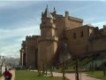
x=7 y=74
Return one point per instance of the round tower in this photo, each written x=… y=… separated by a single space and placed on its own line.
x=48 y=41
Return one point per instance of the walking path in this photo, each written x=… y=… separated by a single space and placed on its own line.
x=13 y=75
x=71 y=76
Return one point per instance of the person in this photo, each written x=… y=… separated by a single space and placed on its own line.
x=7 y=75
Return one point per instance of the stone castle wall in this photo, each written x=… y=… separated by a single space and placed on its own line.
x=77 y=39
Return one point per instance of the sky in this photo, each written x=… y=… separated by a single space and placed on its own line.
x=21 y=18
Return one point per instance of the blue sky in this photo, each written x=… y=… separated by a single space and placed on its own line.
x=21 y=18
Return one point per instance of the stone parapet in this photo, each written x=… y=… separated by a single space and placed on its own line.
x=47 y=26
x=75 y=19
x=48 y=39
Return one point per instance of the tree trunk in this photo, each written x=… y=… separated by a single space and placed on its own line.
x=63 y=70
x=51 y=72
x=77 y=67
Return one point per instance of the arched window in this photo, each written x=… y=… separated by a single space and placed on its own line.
x=74 y=35
x=82 y=34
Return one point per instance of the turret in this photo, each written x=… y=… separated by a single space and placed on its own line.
x=48 y=28
x=54 y=12
x=46 y=13
x=48 y=41
x=66 y=14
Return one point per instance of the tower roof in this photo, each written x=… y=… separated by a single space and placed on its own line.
x=47 y=13
x=54 y=10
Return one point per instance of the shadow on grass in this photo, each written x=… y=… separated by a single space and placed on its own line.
x=30 y=75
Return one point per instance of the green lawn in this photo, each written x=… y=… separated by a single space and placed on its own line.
x=97 y=74
x=0 y=74
x=29 y=75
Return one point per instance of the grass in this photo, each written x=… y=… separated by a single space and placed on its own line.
x=0 y=74
x=29 y=75
x=97 y=74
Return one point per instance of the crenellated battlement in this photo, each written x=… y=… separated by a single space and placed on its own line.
x=32 y=37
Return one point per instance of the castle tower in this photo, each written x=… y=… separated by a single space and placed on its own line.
x=48 y=41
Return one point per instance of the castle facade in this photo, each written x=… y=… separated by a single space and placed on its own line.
x=62 y=36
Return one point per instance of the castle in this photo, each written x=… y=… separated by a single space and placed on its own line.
x=62 y=37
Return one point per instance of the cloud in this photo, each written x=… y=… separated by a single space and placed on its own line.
x=27 y=30
x=99 y=24
x=17 y=3
x=9 y=18
x=17 y=27
x=11 y=39
x=12 y=50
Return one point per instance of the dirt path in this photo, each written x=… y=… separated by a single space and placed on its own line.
x=71 y=76
x=13 y=75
